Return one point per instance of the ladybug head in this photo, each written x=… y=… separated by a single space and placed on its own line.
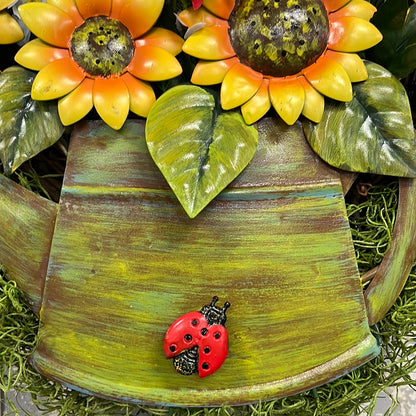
x=213 y=314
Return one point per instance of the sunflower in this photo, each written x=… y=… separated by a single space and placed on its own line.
x=282 y=53
x=100 y=54
x=10 y=31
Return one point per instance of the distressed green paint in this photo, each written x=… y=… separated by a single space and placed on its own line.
x=392 y=274
x=27 y=223
x=126 y=261
x=279 y=38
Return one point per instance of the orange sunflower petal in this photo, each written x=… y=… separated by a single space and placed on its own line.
x=357 y=8
x=36 y=54
x=152 y=63
x=56 y=80
x=211 y=43
x=111 y=100
x=140 y=15
x=332 y=5
x=69 y=7
x=352 y=63
x=314 y=106
x=212 y=72
x=10 y=31
x=77 y=104
x=221 y=8
x=257 y=106
x=288 y=98
x=89 y=8
x=163 y=38
x=329 y=78
x=190 y=17
x=239 y=85
x=142 y=96
x=48 y=23
x=352 y=34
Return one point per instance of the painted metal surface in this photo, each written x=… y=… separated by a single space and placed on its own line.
x=126 y=261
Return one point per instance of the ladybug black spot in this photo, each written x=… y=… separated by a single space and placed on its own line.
x=194 y=322
x=207 y=350
x=205 y=366
x=188 y=337
x=204 y=331
x=172 y=348
x=217 y=335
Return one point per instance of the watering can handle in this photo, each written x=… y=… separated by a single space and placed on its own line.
x=390 y=276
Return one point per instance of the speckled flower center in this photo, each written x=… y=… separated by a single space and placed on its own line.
x=279 y=37
x=102 y=46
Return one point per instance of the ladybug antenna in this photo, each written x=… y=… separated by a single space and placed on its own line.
x=214 y=300
x=226 y=306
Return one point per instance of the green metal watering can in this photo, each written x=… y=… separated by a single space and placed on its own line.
x=111 y=266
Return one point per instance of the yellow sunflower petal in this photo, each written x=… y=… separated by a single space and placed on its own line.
x=239 y=85
x=221 y=8
x=314 y=106
x=211 y=43
x=69 y=7
x=329 y=78
x=10 y=31
x=36 y=54
x=5 y=3
x=111 y=100
x=352 y=34
x=56 y=80
x=48 y=23
x=256 y=107
x=163 y=38
x=88 y=8
x=140 y=15
x=142 y=96
x=190 y=17
x=288 y=98
x=152 y=63
x=332 y=5
x=352 y=63
x=212 y=72
x=77 y=104
x=357 y=8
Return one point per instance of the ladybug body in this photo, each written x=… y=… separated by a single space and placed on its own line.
x=198 y=341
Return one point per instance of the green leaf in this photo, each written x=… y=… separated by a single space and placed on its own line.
x=26 y=126
x=199 y=148
x=397 y=51
x=372 y=133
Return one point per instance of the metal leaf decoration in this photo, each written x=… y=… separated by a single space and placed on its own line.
x=26 y=126
x=373 y=133
x=198 y=148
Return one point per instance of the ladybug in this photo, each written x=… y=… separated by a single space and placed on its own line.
x=198 y=341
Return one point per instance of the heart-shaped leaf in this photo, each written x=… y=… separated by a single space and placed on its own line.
x=397 y=51
x=199 y=148
x=26 y=126
x=373 y=133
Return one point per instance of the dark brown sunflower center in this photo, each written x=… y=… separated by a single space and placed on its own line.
x=279 y=37
x=102 y=46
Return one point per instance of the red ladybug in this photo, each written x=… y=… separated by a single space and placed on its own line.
x=198 y=341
